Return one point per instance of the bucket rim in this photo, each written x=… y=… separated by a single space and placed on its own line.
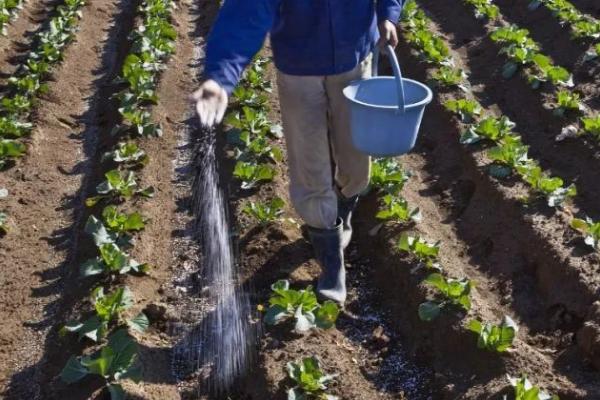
x=423 y=102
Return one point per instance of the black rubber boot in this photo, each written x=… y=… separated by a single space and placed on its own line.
x=330 y=254
x=346 y=207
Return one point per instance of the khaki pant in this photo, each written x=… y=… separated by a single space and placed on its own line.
x=315 y=114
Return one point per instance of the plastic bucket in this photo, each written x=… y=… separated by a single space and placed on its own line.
x=386 y=111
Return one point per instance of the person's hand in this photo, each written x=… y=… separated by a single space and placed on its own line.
x=211 y=102
x=387 y=34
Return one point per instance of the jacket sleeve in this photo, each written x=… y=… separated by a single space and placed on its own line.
x=237 y=35
x=389 y=9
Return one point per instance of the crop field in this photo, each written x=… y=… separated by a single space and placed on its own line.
x=474 y=271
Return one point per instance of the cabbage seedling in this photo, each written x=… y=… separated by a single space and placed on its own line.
x=252 y=174
x=311 y=381
x=300 y=305
x=551 y=187
x=454 y=292
x=265 y=213
x=114 y=362
x=120 y=186
x=396 y=208
x=112 y=260
x=524 y=390
x=424 y=251
x=108 y=308
x=490 y=128
x=466 y=109
x=495 y=338
x=127 y=153
x=388 y=175
x=591 y=126
x=590 y=229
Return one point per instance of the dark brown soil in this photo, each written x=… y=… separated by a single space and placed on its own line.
x=525 y=260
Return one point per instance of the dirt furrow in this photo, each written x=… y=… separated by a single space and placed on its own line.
x=17 y=40
x=44 y=202
x=573 y=160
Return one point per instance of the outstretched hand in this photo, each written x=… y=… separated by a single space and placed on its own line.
x=388 y=34
x=211 y=102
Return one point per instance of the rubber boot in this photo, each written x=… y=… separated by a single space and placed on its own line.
x=346 y=207
x=330 y=254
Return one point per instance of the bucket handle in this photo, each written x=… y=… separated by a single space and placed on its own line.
x=397 y=73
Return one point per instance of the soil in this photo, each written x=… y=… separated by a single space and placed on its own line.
x=525 y=260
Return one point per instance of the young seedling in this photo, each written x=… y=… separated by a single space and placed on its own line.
x=301 y=306
x=448 y=76
x=507 y=156
x=567 y=101
x=109 y=308
x=484 y=9
x=127 y=153
x=257 y=147
x=424 y=251
x=590 y=229
x=112 y=260
x=311 y=381
x=524 y=390
x=388 y=175
x=551 y=187
x=466 y=109
x=490 y=128
x=9 y=150
x=115 y=362
x=118 y=185
x=12 y=127
x=396 y=208
x=495 y=338
x=591 y=126
x=252 y=174
x=3 y=223
x=454 y=292
x=265 y=213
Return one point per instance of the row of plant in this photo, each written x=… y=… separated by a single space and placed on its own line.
x=451 y=293
x=524 y=55
x=8 y=11
x=583 y=27
x=115 y=226
x=27 y=84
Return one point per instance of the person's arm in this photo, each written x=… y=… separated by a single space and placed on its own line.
x=236 y=37
x=388 y=15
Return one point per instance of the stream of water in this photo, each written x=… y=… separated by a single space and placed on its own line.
x=227 y=332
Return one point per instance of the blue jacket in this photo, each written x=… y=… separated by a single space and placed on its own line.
x=308 y=37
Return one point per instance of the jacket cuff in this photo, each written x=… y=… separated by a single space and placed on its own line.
x=390 y=13
x=222 y=79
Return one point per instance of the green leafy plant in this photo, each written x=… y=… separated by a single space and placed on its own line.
x=495 y=338
x=112 y=260
x=9 y=150
x=12 y=127
x=114 y=362
x=524 y=390
x=252 y=174
x=300 y=305
x=590 y=229
x=118 y=185
x=311 y=381
x=396 y=208
x=108 y=308
x=388 y=175
x=122 y=223
x=490 y=128
x=454 y=292
x=591 y=126
x=551 y=187
x=424 y=251
x=448 y=76
x=466 y=109
x=265 y=213
x=3 y=223
x=127 y=153
x=510 y=152
x=485 y=9
x=567 y=101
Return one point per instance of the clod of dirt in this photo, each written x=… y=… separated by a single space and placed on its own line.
x=380 y=339
x=588 y=337
x=156 y=312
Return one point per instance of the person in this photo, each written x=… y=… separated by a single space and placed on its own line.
x=319 y=46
